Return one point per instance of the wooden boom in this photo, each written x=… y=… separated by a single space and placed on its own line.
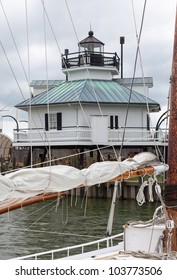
x=30 y=201
x=49 y=196
x=134 y=173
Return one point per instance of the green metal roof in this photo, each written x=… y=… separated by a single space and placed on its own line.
x=89 y=91
x=45 y=83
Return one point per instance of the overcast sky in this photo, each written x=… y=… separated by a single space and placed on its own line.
x=108 y=19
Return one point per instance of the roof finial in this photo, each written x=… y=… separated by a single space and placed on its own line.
x=90 y=26
x=90 y=32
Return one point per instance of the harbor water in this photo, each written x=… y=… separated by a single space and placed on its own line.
x=70 y=221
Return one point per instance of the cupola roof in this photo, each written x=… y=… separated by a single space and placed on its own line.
x=90 y=40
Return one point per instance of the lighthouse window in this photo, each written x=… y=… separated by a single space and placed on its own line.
x=53 y=121
x=114 y=122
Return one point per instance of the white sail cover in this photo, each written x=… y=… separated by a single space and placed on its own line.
x=29 y=182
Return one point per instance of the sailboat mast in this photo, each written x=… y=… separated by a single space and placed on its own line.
x=170 y=194
x=172 y=143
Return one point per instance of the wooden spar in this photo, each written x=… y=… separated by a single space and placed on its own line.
x=45 y=197
x=30 y=201
x=170 y=193
x=134 y=173
x=172 y=137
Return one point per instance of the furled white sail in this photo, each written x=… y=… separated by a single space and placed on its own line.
x=30 y=182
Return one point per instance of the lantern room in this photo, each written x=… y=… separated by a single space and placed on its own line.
x=91 y=44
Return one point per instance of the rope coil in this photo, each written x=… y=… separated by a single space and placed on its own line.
x=140 y=198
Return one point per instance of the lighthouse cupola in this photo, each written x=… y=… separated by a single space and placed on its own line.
x=91 y=44
x=91 y=61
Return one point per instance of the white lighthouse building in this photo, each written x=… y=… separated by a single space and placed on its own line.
x=85 y=113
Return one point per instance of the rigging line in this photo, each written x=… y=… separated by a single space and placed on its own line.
x=66 y=209
x=13 y=73
x=134 y=72
x=73 y=193
x=39 y=132
x=114 y=150
x=68 y=9
x=27 y=41
x=52 y=30
x=167 y=123
x=76 y=199
x=13 y=38
x=158 y=152
x=96 y=97
x=46 y=68
x=51 y=27
x=163 y=157
x=63 y=233
x=3 y=108
x=60 y=158
x=55 y=38
x=37 y=220
x=29 y=70
x=28 y=61
x=31 y=118
x=152 y=230
x=99 y=107
x=57 y=203
x=85 y=198
x=61 y=53
x=140 y=57
x=81 y=106
x=22 y=231
x=86 y=202
x=82 y=54
x=88 y=123
x=34 y=212
x=30 y=114
x=83 y=57
x=143 y=77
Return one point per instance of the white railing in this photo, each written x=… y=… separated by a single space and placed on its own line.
x=40 y=135
x=135 y=134
x=81 y=248
x=85 y=135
